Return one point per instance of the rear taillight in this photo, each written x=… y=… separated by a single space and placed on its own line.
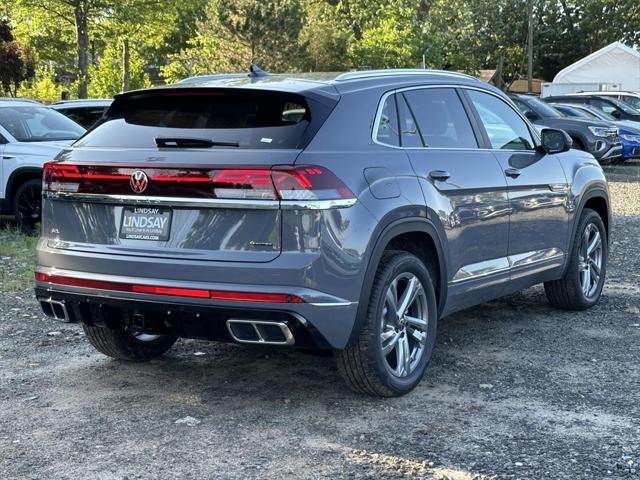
x=305 y=182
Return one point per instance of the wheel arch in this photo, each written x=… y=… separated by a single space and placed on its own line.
x=418 y=236
x=597 y=199
x=17 y=178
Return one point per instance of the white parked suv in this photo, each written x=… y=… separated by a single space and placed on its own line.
x=30 y=135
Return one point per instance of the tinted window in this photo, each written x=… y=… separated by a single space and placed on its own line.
x=241 y=118
x=601 y=105
x=633 y=101
x=85 y=116
x=505 y=128
x=388 y=124
x=38 y=124
x=543 y=109
x=442 y=121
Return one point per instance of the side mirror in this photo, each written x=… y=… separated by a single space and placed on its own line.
x=531 y=115
x=555 y=141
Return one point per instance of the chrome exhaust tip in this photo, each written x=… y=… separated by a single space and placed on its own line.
x=55 y=309
x=260 y=332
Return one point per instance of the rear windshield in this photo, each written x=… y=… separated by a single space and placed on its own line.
x=227 y=118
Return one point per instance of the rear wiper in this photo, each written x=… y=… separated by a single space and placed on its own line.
x=180 y=142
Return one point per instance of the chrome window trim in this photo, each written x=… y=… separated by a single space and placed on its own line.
x=376 y=122
x=202 y=202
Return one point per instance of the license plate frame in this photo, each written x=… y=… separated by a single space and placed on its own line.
x=149 y=224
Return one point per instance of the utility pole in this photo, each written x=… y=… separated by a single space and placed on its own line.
x=530 y=48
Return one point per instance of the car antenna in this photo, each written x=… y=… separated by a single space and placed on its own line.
x=255 y=71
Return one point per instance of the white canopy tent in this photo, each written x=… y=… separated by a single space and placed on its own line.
x=615 y=64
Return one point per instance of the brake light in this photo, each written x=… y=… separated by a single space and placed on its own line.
x=305 y=182
x=236 y=296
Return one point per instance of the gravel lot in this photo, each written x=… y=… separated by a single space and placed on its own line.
x=516 y=389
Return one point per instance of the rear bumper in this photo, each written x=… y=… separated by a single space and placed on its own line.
x=321 y=321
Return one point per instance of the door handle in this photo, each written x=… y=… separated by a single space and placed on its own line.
x=439 y=175
x=512 y=172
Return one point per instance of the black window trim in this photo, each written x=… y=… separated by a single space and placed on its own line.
x=482 y=145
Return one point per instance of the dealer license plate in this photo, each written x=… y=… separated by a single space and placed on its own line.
x=145 y=223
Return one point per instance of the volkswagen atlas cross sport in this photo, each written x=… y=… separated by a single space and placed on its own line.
x=345 y=212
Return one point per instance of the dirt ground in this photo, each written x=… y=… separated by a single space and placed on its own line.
x=516 y=389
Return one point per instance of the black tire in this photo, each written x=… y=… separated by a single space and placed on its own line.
x=362 y=364
x=124 y=345
x=27 y=205
x=567 y=293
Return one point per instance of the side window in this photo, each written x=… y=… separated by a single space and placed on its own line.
x=633 y=101
x=409 y=133
x=441 y=119
x=387 y=132
x=505 y=128
x=603 y=106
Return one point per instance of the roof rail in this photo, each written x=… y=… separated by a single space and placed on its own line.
x=391 y=72
x=12 y=99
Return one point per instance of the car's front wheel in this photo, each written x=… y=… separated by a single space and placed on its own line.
x=391 y=354
x=581 y=286
x=126 y=344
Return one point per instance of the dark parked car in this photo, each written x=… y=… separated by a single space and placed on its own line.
x=84 y=112
x=601 y=139
x=606 y=104
x=629 y=131
x=386 y=201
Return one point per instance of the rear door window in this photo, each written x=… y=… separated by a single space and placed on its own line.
x=441 y=119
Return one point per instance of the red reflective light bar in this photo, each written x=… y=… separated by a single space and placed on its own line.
x=171 y=291
x=300 y=182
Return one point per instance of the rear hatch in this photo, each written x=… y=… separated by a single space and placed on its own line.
x=184 y=173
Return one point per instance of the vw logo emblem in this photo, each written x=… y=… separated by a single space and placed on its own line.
x=139 y=181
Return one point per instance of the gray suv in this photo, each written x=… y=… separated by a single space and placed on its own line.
x=345 y=212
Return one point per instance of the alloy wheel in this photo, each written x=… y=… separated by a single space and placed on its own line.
x=28 y=207
x=404 y=325
x=590 y=261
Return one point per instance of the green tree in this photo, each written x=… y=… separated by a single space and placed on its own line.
x=107 y=76
x=16 y=61
x=246 y=31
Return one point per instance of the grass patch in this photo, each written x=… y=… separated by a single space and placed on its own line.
x=17 y=259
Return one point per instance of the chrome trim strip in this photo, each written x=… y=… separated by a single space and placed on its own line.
x=202 y=202
x=536 y=256
x=558 y=187
x=481 y=269
x=498 y=265
x=317 y=204
x=333 y=304
x=534 y=133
